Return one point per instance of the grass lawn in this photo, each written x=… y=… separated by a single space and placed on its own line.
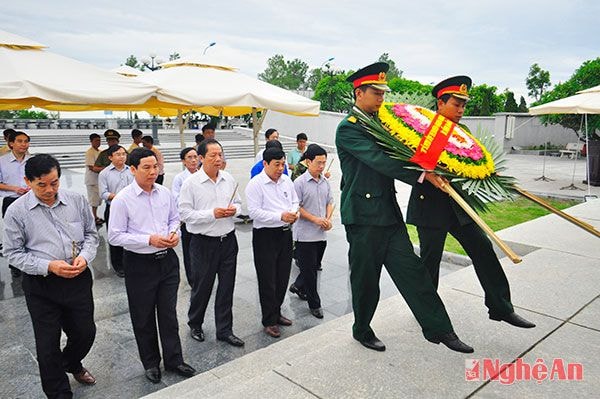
x=502 y=215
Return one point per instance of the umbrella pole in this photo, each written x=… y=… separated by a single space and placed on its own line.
x=481 y=223
x=587 y=227
x=180 y=124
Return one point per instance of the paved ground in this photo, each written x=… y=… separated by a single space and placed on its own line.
x=114 y=358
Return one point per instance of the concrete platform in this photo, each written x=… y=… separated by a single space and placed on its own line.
x=556 y=287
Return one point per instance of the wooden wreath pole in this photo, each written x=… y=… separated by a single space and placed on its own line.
x=481 y=223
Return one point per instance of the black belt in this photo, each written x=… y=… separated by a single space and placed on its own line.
x=217 y=238
x=155 y=256
x=287 y=227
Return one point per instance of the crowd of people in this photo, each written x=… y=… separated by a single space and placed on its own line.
x=51 y=236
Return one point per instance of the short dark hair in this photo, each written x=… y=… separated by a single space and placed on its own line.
x=139 y=154
x=445 y=97
x=362 y=88
x=202 y=147
x=301 y=136
x=7 y=133
x=269 y=132
x=114 y=148
x=14 y=134
x=136 y=133
x=208 y=126
x=273 y=144
x=312 y=151
x=199 y=137
x=94 y=136
x=148 y=139
x=185 y=151
x=40 y=165
x=273 y=153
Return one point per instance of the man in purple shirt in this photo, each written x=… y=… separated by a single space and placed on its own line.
x=145 y=222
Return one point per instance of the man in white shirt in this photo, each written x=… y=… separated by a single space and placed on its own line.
x=273 y=205
x=270 y=134
x=208 y=201
x=189 y=158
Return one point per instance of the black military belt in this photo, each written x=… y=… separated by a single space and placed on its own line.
x=217 y=238
x=155 y=256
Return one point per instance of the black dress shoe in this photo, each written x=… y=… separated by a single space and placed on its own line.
x=318 y=313
x=297 y=291
x=373 y=343
x=153 y=374
x=84 y=377
x=184 y=370
x=284 y=321
x=452 y=341
x=231 y=340
x=515 y=320
x=197 y=334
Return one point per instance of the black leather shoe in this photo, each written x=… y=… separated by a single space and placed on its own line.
x=373 y=343
x=297 y=291
x=318 y=313
x=184 y=370
x=284 y=321
x=515 y=320
x=452 y=341
x=231 y=340
x=153 y=374
x=197 y=334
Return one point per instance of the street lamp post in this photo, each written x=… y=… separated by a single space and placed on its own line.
x=209 y=46
x=149 y=63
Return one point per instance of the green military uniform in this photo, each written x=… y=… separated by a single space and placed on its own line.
x=435 y=214
x=377 y=234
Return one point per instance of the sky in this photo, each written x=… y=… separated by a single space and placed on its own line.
x=494 y=42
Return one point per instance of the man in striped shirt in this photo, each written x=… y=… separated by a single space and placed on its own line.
x=50 y=235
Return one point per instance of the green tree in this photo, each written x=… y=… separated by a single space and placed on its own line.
x=537 y=81
x=174 y=56
x=510 y=104
x=523 y=105
x=7 y=114
x=314 y=77
x=586 y=76
x=401 y=85
x=29 y=114
x=484 y=101
x=290 y=75
x=334 y=93
x=393 y=72
x=132 y=61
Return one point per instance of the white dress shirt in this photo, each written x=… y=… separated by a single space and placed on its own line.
x=198 y=198
x=112 y=180
x=178 y=182
x=135 y=215
x=267 y=200
x=12 y=172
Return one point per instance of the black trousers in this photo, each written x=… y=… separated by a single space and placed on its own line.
x=152 y=293
x=485 y=262
x=5 y=204
x=310 y=255
x=56 y=304
x=116 y=253
x=185 y=248
x=211 y=257
x=272 y=249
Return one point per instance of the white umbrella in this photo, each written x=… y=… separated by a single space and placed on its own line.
x=210 y=88
x=31 y=76
x=584 y=102
x=128 y=71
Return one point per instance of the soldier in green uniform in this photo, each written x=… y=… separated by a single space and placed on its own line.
x=374 y=225
x=435 y=214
